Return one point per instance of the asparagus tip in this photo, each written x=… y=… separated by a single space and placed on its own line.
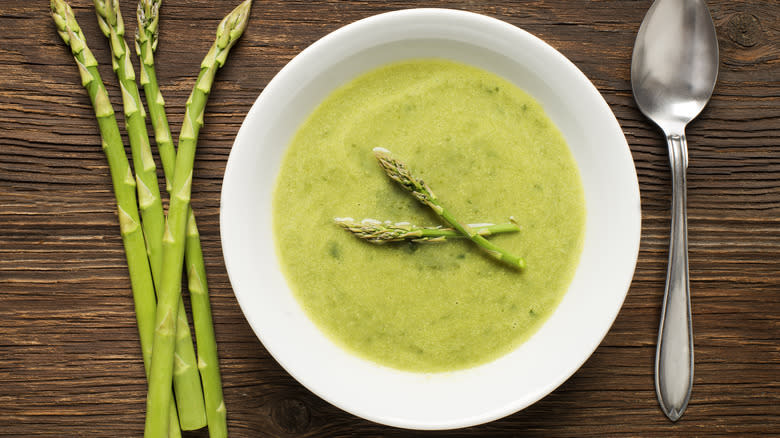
x=61 y=9
x=235 y=22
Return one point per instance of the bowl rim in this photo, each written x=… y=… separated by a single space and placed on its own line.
x=389 y=19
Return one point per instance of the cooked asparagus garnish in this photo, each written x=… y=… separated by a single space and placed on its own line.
x=189 y=395
x=208 y=361
x=399 y=173
x=124 y=187
x=378 y=232
x=229 y=30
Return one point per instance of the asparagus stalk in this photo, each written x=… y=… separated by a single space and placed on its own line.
x=112 y=26
x=123 y=183
x=377 y=232
x=398 y=172
x=208 y=361
x=189 y=396
x=146 y=38
x=228 y=32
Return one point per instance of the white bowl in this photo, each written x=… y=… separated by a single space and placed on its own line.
x=562 y=344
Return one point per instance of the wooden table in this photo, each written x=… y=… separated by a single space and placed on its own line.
x=70 y=362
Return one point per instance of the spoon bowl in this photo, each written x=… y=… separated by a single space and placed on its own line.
x=675 y=62
x=673 y=73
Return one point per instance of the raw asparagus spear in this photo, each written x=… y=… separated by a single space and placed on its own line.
x=146 y=38
x=150 y=203
x=399 y=173
x=189 y=396
x=228 y=32
x=378 y=232
x=124 y=187
x=208 y=362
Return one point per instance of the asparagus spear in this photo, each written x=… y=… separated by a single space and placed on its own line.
x=112 y=26
x=378 y=232
x=146 y=38
x=124 y=186
x=208 y=362
x=228 y=32
x=189 y=397
x=398 y=172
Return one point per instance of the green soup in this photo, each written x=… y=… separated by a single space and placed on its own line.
x=489 y=153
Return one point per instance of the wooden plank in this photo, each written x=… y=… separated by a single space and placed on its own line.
x=69 y=358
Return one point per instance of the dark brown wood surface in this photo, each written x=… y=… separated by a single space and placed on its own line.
x=70 y=363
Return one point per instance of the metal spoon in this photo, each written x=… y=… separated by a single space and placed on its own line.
x=673 y=72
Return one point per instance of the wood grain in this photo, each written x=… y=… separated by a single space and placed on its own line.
x=70 y=364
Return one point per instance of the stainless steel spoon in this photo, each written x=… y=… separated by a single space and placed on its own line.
x=673 y=72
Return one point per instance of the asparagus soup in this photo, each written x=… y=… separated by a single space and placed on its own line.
x=489 y=153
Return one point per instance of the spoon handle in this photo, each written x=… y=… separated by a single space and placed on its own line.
x=674 y=354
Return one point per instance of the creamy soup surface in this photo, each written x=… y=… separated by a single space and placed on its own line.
x=489 y=152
